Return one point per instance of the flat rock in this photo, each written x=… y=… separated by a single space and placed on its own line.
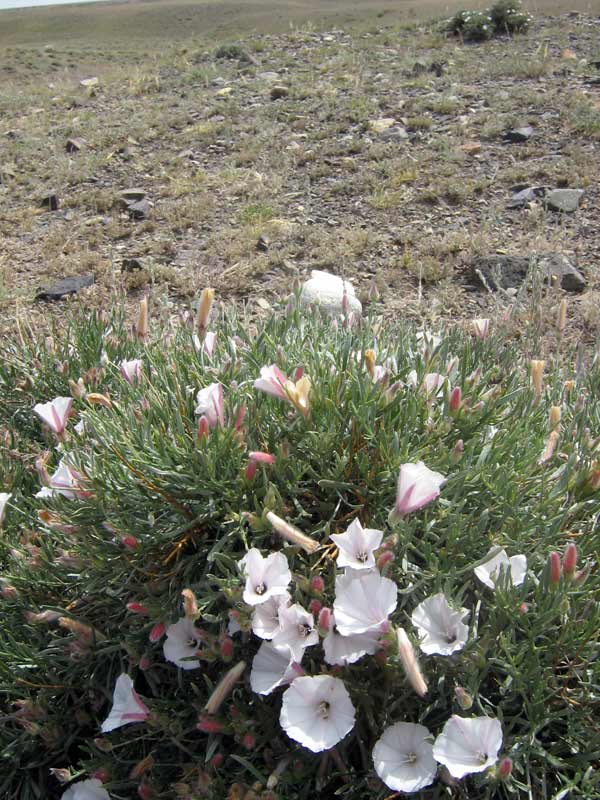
x=89 y=83
x=566 y=200
x=509 y=272
x=139 y=210
x=75 y=145
x=527 y=195
x=327 y=291
x=132 y=195
x=269 y=77
x=381 y=125
x=279 y=92
x=519 y=134
x=49 y=201
x=65 y=287
x=130 y=264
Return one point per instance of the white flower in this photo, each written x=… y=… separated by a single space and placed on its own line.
x=265 y=619
x=182 y=643
x=417 y=486
x=468 y=745
x=348 y=649
x=489 y=572
x=272 y=667
x=131 y=370
x=356 y=546
x=86 y=790
x=317 y=712
x=432 y=384
x=441 y=628
x=265 y=577
x=4 y=498
x=403 y=757
x=297 y=630
x=64 y=482
x=127 y=706
x=55 y=414
x=210 y=404
x=363 y=601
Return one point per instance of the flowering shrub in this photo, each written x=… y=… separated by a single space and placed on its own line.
x=508 y=17
x=306 y=558
x=505 y=16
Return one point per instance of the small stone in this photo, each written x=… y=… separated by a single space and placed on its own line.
x=569 y=54
x=558 y=267
x=565 y=200
x=495 y=272
x=264 y=304
x=381 y=125
x=279 y=92
x=526 y=195
x=519 y=134
x=49 y=201
x=225 y=91
x=437 y=67
x=269 y=77
x=89 y=83
x=330 y=293
x=131 y=265
x=75 y=145
x=419 y=68
x=262 y=244
x=139 y=210
x=129 y=196
x=471 y=148
x=65 y=287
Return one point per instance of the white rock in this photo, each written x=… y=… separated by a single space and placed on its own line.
x=327 y=291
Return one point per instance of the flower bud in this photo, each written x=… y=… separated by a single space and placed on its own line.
x=190 y=605
x=550 y=447
x=537 y=377
x=554 y=417
x=224 y=687
x=204 y=307
x=411 y=665
x=457 y=451
x=370 y=362
x=324 y=619
x=505 y=769
x=555 y=568
x=97 y=399
x=569 y=386
x=141 y=767
x=157 y=632
x=217 y=761
x=455 y=399
x=523 y=609
x=145 y=663
x=315 y=607
x=463 y=698
x=249 y=741
x=581 y=576
x=145 y=792
x=203 y=428
x=317 y=585
x=226 y=649
x=208 y=724
x=569 y=563
x=384 y=559
x=61 y=775
x=141 y=328
x=130 y=542
x=137 y=608
x=292 y=534
x=481 y=328
x=77 y=389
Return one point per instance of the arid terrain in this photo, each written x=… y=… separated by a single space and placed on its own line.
x=365 y=143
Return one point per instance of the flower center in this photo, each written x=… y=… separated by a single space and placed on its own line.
x=411 y=758
x=304 y=629
x=260 y=589
x=482 y=757
x=451 y=637
x=324 y=709
x=362 y=557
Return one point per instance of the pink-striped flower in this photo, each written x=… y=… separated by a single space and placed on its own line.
x=417 y=486
x=210 y=404
x=55 y=414
x=127 y=706
x=272 y=381
x=481 y=328
x=131 y=370
x=254 y=459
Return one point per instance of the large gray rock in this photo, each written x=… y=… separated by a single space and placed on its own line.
x=566 y=200
x=327 y=291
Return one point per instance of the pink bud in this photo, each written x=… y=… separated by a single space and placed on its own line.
x=209 y=725
x=137 y=608
x=157 y=632
x=325 y=619
x=385 y=558
x=9 y=592
x=217 y=760
x=203 y=427
x=555 y=568
x=249 y=741
x=250 y=470
x=260 y=457
x=226 y=649
x=100 y=775
x=581 y=576
x=145 y=663
x=523 y=609
x=130 y=542
x=457 y=451
x=505 y=768
x=315 y=607
x=239 y=420
x=144 y=791
x=317 y=585
x=569 y=563
x=455 y=399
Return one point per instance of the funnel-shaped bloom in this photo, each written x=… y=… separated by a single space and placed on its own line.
x=317 y=712
x=55 y=414
x=210 y=404
x=127 y=706
x=296 y=631
x=182 y=643
x=357 y=545
x=265 y=619
x=86 y=790
x=272 y=381
x=363 y=601
x=417 y=486
x=468 y=745
x=131 y=370
x=65 y=481
x=344 y=650
x=272 y=667
x=441 y=628
x=403 y=757
x=489 y=571
x=265 y=577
